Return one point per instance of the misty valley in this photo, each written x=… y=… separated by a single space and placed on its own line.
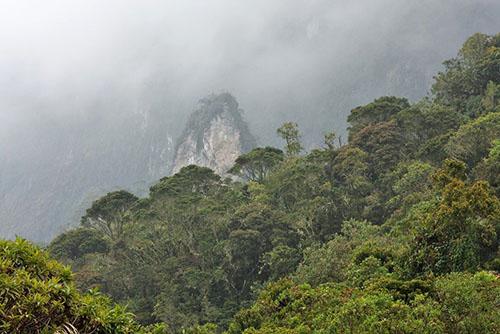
x=382 y=218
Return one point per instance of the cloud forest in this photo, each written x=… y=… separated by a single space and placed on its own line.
x=250 y=167
x=393 y=228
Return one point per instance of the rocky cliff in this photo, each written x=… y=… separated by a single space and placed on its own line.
x=215 y=135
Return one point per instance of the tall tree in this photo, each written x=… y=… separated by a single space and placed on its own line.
x=289 y=132
x=466 y=76
x=257 y=164
x=107 y=213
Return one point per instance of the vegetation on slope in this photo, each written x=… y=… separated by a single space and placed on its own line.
x=37 y=295
x=454 y=303
x=396 y=231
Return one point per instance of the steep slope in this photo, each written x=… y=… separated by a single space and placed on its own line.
x=41 y=198
x=310 y=64
x=390 y=223
x=215 y=135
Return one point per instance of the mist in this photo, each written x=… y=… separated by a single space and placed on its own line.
x=93 y=93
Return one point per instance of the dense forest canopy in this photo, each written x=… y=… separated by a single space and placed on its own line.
x=395 y=231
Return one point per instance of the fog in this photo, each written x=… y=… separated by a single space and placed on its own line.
x=88 y=86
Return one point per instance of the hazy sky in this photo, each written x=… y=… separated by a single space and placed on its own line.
x=61 y=56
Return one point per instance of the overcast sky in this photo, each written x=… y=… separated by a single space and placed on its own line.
x=58 y=57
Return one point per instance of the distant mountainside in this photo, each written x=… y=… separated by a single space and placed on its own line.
x=389 y=232
x=64 y=143
x=50 y=193
x=214 y=136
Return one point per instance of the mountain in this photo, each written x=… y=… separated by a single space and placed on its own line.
x=215 y=135
x=399 y=222
x=89 y=115
x=44 y=197
x=100 y=154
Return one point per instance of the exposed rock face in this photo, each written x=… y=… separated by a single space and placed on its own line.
x=215 y=135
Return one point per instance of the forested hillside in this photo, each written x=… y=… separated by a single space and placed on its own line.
x=394 y=229
x=94 y=94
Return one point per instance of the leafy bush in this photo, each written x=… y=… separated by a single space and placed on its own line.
x=457 y=303
x=37 y=295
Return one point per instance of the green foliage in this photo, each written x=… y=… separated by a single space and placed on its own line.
x=107 y=213
x=489 y=168
x=281 y=260
x=350 y=170
x=190 y=179
x=473 y=140
x=257 y=234
x=350 y=183
x=468 y=302
x=289 y=132
x=38 y=296
x=410 y=184
x=205 y=329
x=468 y=75
x=491 y=99
x=329 y=262
x=330 y=140
x=76 y=243
x=388 y=233
x=385 y=306
x=384 y=144
x=379 y=111
x=426 y=120
x=458 y=232
x=426 y=123
x=257 y=164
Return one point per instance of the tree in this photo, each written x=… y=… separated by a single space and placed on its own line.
x=380 y=110
x=472 y=141
x=467 y=303
x=256 y=232
x=74 y=244
x=491 y=99
x=190 y=179
x=349 y=169
x=368 y=232
x=330 y=140
x=384 y=144
x=489 y=168
x=457 y=232
x=410 y=183
x=350 y=185
x=467 y=75
x=427 y=120
x=329 y=262
x=257 y=164
x=280 y=261
x=297 y=180
x=289 y=132
x=107 y=213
